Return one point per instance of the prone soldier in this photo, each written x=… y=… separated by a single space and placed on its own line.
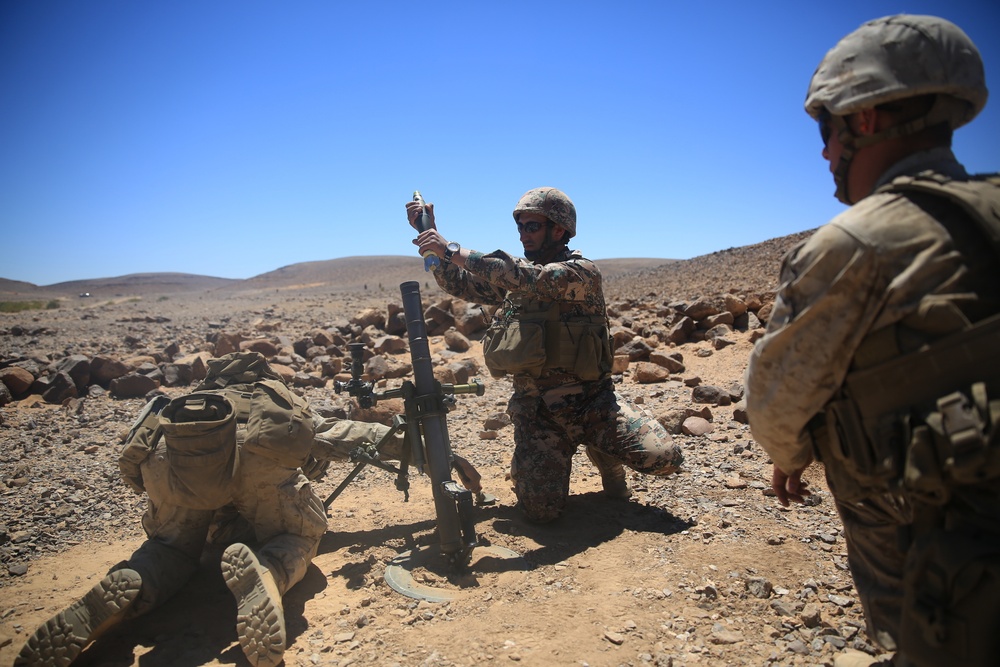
x=229 y=465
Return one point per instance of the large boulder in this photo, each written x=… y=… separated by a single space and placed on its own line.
x=132 y=385
x=17 y=380
x=104 y=369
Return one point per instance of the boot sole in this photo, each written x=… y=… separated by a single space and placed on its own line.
x=61 y=639
x=260 y=620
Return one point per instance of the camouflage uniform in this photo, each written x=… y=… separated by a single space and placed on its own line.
x=557 y=411
x=266 y=502
x=282 y=514
x=888 y=278
x=270 y=505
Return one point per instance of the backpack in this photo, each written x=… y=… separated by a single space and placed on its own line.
x=241 y=407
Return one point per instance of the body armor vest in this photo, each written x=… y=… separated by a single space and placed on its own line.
x=529 y=337
x=925 y=420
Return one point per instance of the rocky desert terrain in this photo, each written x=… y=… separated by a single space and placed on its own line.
x=700 y=568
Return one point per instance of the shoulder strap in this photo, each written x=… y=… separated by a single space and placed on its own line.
x=978 y=197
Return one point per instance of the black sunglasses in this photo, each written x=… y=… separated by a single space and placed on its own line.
x=825 y=130
x=531 y=226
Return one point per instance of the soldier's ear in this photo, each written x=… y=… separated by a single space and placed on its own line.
x=868 y=122
x=558 y=231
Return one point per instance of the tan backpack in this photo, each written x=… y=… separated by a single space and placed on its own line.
x=241 y=407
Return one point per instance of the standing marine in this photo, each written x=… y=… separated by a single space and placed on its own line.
x=550 y=335
x=882 y=356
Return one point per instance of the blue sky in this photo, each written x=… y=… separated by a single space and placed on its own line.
x=230 y=138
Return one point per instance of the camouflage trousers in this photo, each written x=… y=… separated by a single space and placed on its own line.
x=549 y=427
x=928 y=576
x=272 y=507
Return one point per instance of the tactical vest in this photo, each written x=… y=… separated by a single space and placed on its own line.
x=241 y=408
x=925 y=421
x=529 y=337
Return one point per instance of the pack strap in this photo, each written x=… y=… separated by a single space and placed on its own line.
x=978 y=197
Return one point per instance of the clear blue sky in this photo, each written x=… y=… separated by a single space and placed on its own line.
x=231 y=138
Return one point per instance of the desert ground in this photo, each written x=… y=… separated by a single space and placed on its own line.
x=700 y=568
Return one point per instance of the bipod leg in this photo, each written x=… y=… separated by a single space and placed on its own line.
x=343 y=485
x=402 y=482
x=403 y=474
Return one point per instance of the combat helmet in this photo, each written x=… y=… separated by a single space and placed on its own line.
x=894 y=58
x=553 y=204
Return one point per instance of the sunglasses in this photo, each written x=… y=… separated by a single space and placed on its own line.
x=825 y=130
x=531 y=227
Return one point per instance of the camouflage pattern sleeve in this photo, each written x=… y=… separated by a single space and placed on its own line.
x=466 y=285
x=824 y=307
x=570 y=277
x=489 y=278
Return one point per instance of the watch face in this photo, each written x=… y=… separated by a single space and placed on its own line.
x=453 y=247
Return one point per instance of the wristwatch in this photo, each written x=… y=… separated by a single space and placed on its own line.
x=450 y=250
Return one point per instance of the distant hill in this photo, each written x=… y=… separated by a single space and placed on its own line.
x=342 y=274
x=332 y=275
x=751 y=268
x=135 y=284
x=15 y=287
x=139 y=284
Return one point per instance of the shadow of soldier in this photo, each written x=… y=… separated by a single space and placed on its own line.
x=589 y=520
x=356 y=572
x=196 y=626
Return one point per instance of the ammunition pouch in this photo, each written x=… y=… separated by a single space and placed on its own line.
x=921 y=423
x=200 y=434
x=526 y=342
x=950 y=599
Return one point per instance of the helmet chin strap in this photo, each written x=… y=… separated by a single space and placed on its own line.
x=851 y=142
x=848 y=143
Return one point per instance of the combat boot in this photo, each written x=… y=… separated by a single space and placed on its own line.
x=61 y=639
x=612 y=474
x=260 y=618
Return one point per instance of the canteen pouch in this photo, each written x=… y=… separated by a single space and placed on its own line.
x=280 y=426
x=200 y=434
